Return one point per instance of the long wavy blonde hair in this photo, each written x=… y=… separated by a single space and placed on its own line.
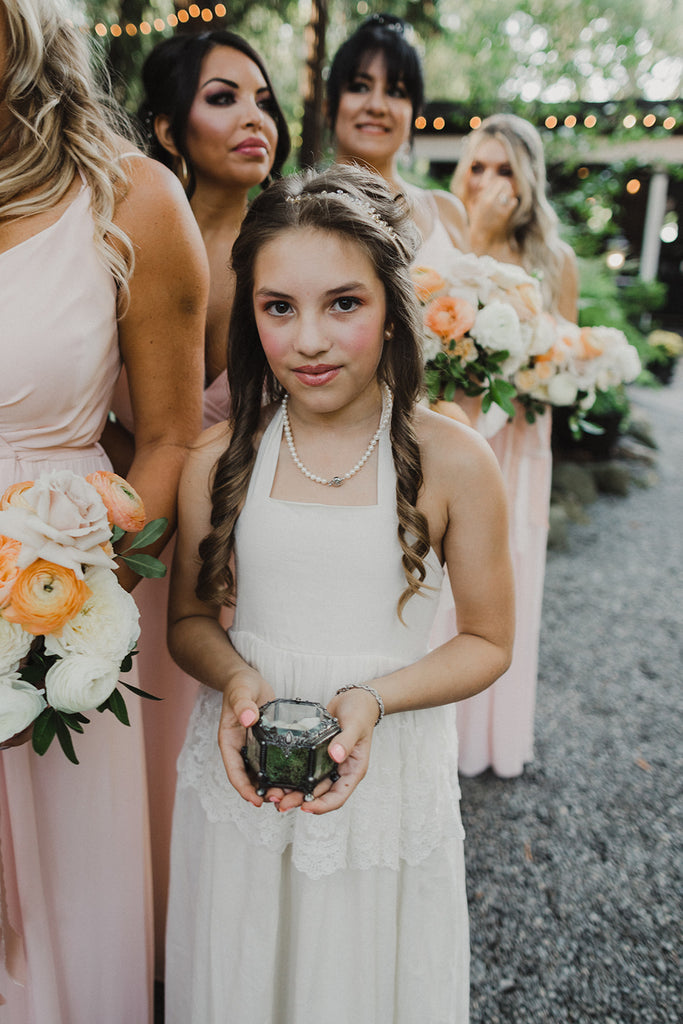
x=60 y=125
x=534 y=224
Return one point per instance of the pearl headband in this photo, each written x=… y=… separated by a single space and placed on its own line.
x=363 y=204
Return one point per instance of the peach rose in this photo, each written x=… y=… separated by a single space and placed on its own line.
x=451 y=318
x=466 y=350
x=9 y=553
x=585 y=346
x=123 y=503
x=44 y=597
x=427 y=282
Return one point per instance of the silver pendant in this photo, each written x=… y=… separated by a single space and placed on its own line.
x=336 y=481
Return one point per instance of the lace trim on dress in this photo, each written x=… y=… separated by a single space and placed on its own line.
x=405 y=807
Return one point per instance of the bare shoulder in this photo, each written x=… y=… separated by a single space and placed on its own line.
x=451 y=450
x=154 y=201
x=453 y=215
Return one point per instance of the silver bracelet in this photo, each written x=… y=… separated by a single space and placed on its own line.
x=370 y=689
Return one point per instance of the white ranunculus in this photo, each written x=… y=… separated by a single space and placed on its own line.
x=497 y=328
x=80 y=682
x=107 y=625
x=20 y=704
x=562 y=389
x=15 y=644
x=65 y=522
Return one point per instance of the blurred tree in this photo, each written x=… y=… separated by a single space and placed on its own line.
x=485 y=52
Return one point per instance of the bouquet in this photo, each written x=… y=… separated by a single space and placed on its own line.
x=67 y=627
x=582 y=363
x=483 y=320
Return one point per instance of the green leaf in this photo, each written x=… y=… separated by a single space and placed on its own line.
x=44 y=729
x=502 y=393
x=117 y=705
x=33 y=673
x=73 y=720
x=64 y=737
x=127 y=663
x=149 y=533
x=140 y=693
x=116 y=534
x=145 y=565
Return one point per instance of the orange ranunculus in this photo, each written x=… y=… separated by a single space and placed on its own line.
x=427 y=282
x=450 y=317
x=45 y=596
x=585 y=347
x=13 y=495
x=123 y=503
x=9 y=553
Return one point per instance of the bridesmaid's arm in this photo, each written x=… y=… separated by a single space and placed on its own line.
x=161 y=336
x=568 y=302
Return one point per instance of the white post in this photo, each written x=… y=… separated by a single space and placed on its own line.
x=654 y=219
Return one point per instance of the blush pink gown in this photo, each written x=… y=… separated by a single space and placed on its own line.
x=496 y=727
x=75 y=878
x=165 y=722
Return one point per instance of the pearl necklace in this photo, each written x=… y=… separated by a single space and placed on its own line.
x=337 y=481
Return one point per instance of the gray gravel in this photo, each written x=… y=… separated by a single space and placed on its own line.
x=574 y=869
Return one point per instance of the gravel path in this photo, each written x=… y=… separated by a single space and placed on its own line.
x=574 y=869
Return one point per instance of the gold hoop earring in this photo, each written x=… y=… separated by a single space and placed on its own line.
x=183 y=173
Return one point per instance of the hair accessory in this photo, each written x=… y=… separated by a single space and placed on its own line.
x=370 y=689
x=337 y=481
x=364 y=205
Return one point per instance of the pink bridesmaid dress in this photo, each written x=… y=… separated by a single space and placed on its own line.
x=165 y=722
x=75 y=872
x=496 y=727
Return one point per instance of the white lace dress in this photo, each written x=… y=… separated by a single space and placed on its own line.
x=355 y=916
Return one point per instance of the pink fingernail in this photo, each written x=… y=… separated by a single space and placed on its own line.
x=337 y=753
x=248 y=718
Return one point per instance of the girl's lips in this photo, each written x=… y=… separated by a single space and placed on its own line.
x=316 y=376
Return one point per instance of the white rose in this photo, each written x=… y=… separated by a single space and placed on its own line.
x=65 y=522
x=562 y=389
x=629 y=363
x=106 y=626
x=497 y=328
x=15 y=644
x=20 y=704
x=542 y=335
x=80 y=682
x=431 y=346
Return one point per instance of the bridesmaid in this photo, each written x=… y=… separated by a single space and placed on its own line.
x=211 y=116
x=88 y=229
x=501 y=179
x=375 y=91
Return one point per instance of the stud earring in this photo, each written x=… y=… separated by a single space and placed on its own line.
x=389 y=333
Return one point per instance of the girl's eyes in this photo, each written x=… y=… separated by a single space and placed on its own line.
x=278 y=307
x=346 y=303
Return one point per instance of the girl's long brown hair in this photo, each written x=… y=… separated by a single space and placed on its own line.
x=357 y=205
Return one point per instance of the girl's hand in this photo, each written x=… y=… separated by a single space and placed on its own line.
x=357 y=713
x=242 y=698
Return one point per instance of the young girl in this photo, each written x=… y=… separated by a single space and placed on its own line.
x=326 y=516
